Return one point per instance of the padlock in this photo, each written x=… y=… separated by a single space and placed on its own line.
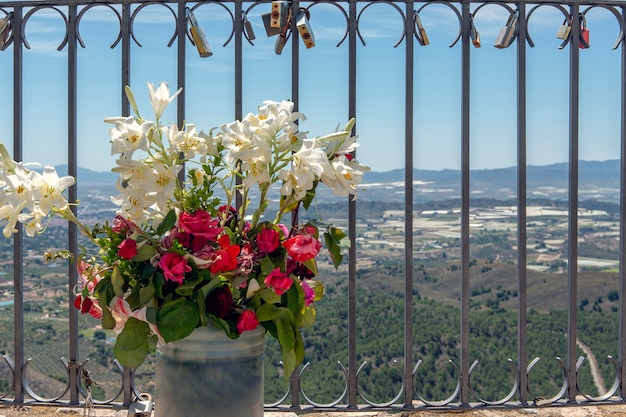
x=584 y=33
x=475 y=35
x=199 y=38
x=420 y=34
x=141 y=408
x=507 y=33
x=564 y=30
x=247 y=27
x=5 y=31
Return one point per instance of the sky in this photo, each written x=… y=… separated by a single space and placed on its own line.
x=324 y=89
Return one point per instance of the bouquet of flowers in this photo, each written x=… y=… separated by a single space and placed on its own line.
x=191 y=244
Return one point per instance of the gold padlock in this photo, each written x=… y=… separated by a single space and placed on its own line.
x=564 y=30
x=421 y=35
x=5 y=31
x=199 y=38
x=475 y=35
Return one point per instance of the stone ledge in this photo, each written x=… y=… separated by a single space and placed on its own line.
x=613 y=410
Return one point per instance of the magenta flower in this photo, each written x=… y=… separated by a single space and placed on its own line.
x=174 y=267
x=302 y=247
x=127 y=249
x=267 y=240
x=278 y=281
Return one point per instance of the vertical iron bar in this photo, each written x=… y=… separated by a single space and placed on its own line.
x=181 y=29
x=522 y=348
x=127 y=378
x=72 y=169
x=294 y=380
x=408 y=209
x=352 y=366
x=572 y=229
x=238 y=60
x=622 y=231
x=125 y=30
x=465 y=201
x=18 y=238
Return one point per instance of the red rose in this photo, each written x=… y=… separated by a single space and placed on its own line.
x=87 y=305
x=219 y=302
x=174 y=267
x=247 y=321
x=199 y=224
x=278 y=281
x=267 y=240
x=127 y=249
x=302 y=247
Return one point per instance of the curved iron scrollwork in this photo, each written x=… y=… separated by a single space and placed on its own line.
x=395 y=6
x=84 y=10
x=610 y=392
x=452 y=396
x=326 y=405
x=82 y=370
x=508 y=397
x=11 y=366
x=540 y=400
x=454 y=9
x=36 y=396
x=34 y=10
x=379 y=405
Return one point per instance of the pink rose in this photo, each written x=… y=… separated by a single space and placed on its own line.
x=278 y=281
x=267 y=240
x=121 y=224
x=127 y=249
x=199 y=224
x=302 y=247
x=174 y=267
x=247 y=321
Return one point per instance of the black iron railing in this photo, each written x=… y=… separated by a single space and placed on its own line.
x=410 y=390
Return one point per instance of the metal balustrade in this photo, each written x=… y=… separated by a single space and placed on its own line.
x=71 y=13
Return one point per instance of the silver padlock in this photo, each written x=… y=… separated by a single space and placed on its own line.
x=507 y=33
x=564 y=30
x=141 y=408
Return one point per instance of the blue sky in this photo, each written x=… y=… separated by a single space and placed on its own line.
x=323 y=96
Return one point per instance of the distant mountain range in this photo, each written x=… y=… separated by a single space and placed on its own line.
x=597 y=180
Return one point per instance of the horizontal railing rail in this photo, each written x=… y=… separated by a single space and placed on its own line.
x=412 y=36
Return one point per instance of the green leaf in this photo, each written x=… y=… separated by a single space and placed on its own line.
x=286 y=335
x=295 y=301
x=146 y=293
x=335 y=239
x=131 y=346
x=187 y=288
x=176 y=319
x=144 y=252
x=267 y=312
x=117 y=279
x=289 y=362
x=108 y=322
x=168 y=222
x=309 y=317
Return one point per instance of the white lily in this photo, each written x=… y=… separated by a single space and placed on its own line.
x=160 y=98
x=128 y=136
x=51 y=188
